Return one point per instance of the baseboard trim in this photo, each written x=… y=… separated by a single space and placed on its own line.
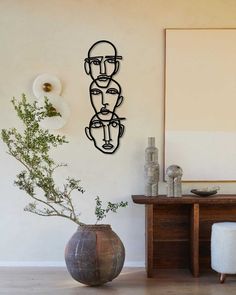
x=134 y=264
x=32 y=263
x=56 y=264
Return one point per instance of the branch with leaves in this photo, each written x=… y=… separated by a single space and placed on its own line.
x=31 y=148
x=111 y=207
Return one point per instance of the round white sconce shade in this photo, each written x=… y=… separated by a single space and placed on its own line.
x=55 y=122
x=45 y=84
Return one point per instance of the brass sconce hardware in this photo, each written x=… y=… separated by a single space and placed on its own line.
x=47 y=87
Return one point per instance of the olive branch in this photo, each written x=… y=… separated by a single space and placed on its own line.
x=31 y=148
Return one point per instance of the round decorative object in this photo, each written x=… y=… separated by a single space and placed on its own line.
x=94 y=255
x=60 y=106
x=204 y=193
x=45 y=84
x=174 y=171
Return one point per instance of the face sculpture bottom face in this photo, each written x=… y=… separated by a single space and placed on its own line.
x=105 y=134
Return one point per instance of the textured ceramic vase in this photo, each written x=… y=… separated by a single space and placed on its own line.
x=151 y=168
x=94 y=255
x=174 y=187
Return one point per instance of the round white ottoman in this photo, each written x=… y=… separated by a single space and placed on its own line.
x=223 y=248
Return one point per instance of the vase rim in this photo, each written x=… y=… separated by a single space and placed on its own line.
x=94 y=227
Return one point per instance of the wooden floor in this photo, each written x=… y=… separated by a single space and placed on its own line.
x=50 y=281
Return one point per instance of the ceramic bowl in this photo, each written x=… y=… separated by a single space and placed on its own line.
x=203 y=193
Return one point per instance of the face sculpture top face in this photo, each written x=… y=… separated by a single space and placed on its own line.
x=105 y=133
x=102 y=62
x=105 y=100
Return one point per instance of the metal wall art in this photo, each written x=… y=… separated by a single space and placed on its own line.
x=105 y=128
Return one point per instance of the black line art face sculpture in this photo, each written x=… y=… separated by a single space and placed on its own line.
x=102 y=62
x=105 y=100
x=105 y=128
x=105 y=134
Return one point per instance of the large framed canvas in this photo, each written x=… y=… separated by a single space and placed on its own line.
x=200 y=103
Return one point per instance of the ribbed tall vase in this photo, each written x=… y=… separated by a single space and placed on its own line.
x=151 y=168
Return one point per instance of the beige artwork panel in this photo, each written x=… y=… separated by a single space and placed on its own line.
x=200 y=103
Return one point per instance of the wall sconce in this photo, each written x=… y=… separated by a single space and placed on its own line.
x=46 y=85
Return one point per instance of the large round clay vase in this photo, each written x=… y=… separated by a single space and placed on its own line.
x=94 y=255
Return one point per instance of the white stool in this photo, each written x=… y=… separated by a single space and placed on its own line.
x=223 y=248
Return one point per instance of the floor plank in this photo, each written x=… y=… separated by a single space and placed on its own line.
x=50 y=281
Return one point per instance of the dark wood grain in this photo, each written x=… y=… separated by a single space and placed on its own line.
x=171 y=254
x=205 y=254
x=171 y=236
x=210 y=214
x=171 y=222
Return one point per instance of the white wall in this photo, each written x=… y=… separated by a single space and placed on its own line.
x=54 y=36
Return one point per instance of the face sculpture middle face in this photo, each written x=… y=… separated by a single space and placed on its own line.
x=105 y=133
x=105 y=100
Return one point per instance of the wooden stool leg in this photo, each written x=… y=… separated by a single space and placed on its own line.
x=222 y=278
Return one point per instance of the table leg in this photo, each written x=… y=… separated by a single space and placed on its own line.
x=194 y=239
x=149 y=240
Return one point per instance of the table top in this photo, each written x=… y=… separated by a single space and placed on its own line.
x=185 y=199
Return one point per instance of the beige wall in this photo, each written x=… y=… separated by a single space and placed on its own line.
x=54 y=36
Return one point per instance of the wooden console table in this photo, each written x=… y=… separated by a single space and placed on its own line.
x=178 y=230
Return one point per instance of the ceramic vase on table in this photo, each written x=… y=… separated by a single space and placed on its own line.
x=174 y=175
x=151 y=168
